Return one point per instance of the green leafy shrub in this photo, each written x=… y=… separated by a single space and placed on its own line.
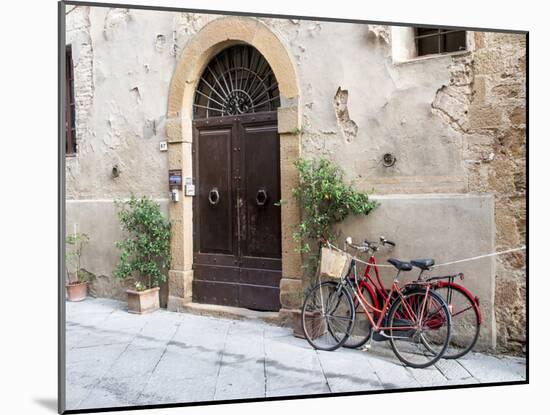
x=73 y=256
x=145 y=253
x=324 y=200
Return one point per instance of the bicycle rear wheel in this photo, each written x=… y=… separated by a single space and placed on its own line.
x=419 y=328
x=327 y=316
x=465 y=318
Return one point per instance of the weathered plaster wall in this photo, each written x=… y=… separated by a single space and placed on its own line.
x=455 y=123
x=361 y=104
x=124 y=61
x=358 y=106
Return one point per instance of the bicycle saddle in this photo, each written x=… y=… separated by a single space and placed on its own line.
x=400 y=265
x=422 y=263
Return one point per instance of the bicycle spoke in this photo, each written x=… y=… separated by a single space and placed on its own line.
x=362 y=326
x=426 y=342
x=327 y=316
x=466 y=323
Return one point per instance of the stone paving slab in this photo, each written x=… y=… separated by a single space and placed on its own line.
x=348 y=371
x=242 y=366
x=118 y=359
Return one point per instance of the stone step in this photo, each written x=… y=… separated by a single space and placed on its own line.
x=235 y=313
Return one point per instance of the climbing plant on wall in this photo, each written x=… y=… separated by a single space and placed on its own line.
x=325 y=200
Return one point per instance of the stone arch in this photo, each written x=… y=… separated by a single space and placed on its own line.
x=210 y=40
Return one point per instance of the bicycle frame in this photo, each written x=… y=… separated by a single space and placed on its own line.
x=368 y=308
x=379 y=290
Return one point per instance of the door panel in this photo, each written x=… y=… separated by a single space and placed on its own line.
x=217 y=274
x=261 y=191
x=237 y=237
x=214 y=198
x=258 y=297
x=252 y=276
x=208 y=292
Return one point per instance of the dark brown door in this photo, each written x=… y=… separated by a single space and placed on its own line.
x=236 y=224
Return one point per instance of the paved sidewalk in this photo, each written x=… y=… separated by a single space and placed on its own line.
x=118 y=359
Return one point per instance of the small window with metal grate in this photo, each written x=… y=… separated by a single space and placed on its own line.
x=430 y=41
x=70 y=135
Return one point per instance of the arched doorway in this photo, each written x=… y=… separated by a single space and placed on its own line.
x=214 y=37
x=236 y=214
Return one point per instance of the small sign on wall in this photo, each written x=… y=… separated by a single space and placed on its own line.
x=189 y=190
x=189 y=187
x=175 y=179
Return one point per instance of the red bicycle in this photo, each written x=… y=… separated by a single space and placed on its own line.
x=463 y=305
x=417 y=323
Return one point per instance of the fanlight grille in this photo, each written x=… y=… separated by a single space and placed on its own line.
x=238 y=80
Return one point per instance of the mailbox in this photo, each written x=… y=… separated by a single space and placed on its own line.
x=175 y=179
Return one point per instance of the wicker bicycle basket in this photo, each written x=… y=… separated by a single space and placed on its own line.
x=334 y=264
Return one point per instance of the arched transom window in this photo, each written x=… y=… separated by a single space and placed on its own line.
x=238 y=80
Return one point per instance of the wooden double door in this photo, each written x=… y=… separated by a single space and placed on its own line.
x=236 y=215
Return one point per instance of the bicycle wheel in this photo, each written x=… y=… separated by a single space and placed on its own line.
x=327 y=316
x=362 y=327
x=415 y=320
x=465 y=318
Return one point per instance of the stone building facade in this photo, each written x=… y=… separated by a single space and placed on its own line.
x=454 y=123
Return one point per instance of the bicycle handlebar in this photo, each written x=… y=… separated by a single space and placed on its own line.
x=386 y=242
x=368 y=245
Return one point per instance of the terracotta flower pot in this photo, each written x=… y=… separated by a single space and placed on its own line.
x=297 y=330
x=77 y=291
x=140 y=302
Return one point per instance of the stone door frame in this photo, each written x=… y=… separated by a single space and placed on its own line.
x=210 y=40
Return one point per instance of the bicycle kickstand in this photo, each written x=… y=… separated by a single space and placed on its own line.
x=367 y=345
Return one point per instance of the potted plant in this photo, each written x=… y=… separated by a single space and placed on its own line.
x=324 y=200
x=77 y=281
x=144 y=253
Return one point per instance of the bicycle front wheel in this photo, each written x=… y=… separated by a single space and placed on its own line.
x=419 y=325
x=327 y=316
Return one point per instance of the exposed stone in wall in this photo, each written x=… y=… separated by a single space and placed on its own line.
x=314 y=28
x=292 y=31
x=190 y=23
x=379 y=32
x=115 y=20
x=78 y=36
x=346 y=124
x=452 y=101
x=160 y=43
x=485 y=100
x=185 y=26
x=136 y=94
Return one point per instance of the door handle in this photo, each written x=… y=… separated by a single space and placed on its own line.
x=261 y=197
x=214 y=196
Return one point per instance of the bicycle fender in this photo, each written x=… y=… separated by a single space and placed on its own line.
x=463 y=290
